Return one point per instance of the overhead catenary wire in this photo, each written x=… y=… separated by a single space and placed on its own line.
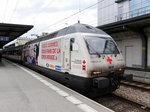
x=79 y=5
x=5 y=11
x=82 y=18
x=83 y=10
x=105 y=6
x=16 y=5
x=72 y=15
x=48 y=4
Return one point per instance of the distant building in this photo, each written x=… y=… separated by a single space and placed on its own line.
x=116 y=10
x=22 y=41
x=19 y=41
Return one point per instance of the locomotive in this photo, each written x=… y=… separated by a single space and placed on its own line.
x=81 y=56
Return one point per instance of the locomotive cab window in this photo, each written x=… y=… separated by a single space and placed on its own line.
x=101 y=45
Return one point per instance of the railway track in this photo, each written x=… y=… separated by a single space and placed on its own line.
x=136 y=92
x=136 y=84
x=119 y=104
x=130 y=97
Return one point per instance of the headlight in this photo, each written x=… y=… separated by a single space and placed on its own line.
x=96 y=73
x=121 y=69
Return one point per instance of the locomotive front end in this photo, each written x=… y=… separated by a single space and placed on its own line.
x=106 y=62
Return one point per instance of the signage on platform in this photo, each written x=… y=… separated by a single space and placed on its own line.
x=4 y=38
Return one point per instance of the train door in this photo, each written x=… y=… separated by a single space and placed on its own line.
x=67 y=58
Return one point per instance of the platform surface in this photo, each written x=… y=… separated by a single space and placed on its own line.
x=23 y=90
x=140 y=76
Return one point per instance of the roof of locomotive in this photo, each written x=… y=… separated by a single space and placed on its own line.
x=82 y=28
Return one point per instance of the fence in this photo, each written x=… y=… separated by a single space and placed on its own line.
x=134 y=13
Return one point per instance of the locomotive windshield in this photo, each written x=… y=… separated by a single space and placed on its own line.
x=101 y=45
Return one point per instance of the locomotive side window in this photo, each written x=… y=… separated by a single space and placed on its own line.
x=73 y=45
x=101 y=45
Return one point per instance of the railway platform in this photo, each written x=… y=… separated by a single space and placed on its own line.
x=139 y=76
x=23 y=90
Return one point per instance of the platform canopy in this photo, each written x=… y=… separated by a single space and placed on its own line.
x=139 y=22
x=9 y=32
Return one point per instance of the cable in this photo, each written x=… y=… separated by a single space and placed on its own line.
x=106 y=6
x=73 y=14
x=66 y=18
x=43 y=9
x=48 y=4
x=5 y=11
x=16 y=5
x=79 y=5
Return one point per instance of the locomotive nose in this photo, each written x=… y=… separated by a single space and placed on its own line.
x=101 y=82
x=112 y=64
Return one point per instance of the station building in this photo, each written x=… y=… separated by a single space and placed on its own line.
x=19 y=41
x=131 y=18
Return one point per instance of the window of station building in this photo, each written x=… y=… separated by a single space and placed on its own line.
x=135 y=4
x=139 y=7
x=146 y=6
x=120 y=13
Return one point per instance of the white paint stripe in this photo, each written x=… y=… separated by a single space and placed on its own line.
x=109 y=110
x=39 y=78
x=62 y=93
x=46 y=83
x=86 y=108
x=54 y=88
x=36 y=77
x=73 y=100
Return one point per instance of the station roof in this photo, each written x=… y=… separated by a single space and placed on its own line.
x=132 y=23
x=9 y=32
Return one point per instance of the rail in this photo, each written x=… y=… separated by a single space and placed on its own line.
x=133 y=13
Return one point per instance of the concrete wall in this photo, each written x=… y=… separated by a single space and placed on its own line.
x=126 y=7
x=108 y=11
x=130 y=45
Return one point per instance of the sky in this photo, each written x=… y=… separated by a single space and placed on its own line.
x=47 y=15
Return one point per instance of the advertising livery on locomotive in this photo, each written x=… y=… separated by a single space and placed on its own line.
x=80 y=56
